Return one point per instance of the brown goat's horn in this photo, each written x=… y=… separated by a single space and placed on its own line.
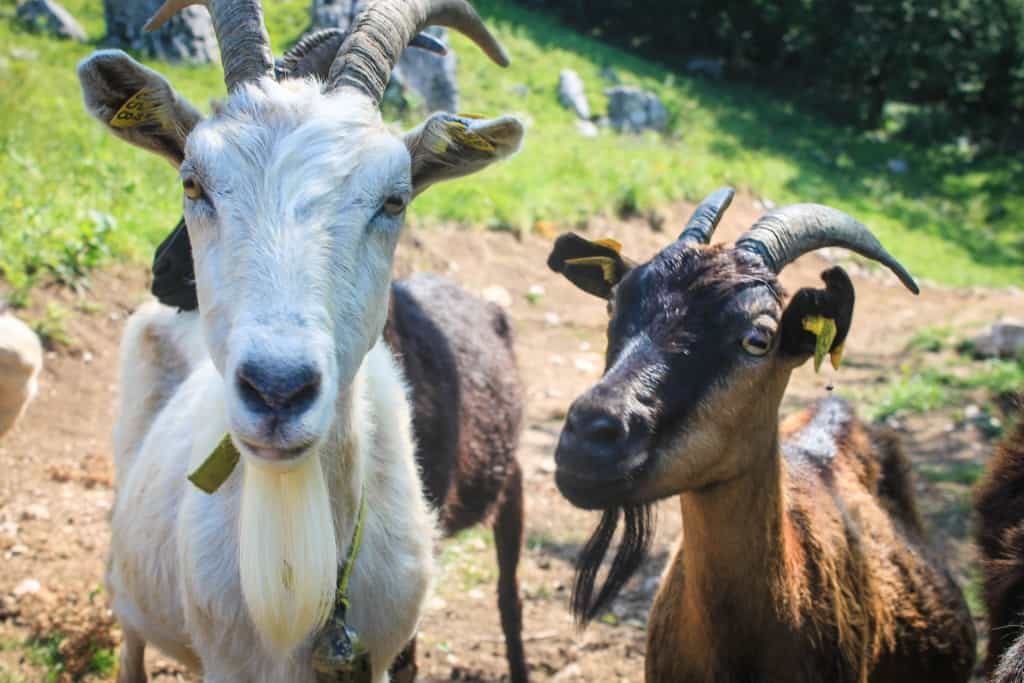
x=782 y=236
x=241 y=34
x=315 y=52
x=706 y=216
x=386 y=27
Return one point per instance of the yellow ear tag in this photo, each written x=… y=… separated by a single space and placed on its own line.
x=217 y=467
x=837 y=356
x=141 y=108
x=607 y=264
x=825 y=331
x=467 y=138
x=614 y=245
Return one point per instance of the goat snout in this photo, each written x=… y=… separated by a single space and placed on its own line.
x=282 y=389
x=601 y=445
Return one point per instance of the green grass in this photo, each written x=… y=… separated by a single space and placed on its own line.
x=963 y=473
x=72 y=196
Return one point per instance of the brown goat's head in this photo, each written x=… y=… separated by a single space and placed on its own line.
x=700 y=349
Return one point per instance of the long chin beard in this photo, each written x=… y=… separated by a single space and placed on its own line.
x=288 y=556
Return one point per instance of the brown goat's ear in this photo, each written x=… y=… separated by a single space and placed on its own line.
x=816 y=321
x=448 y=146
x=137 y=104
x=595 y=267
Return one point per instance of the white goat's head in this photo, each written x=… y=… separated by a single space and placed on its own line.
x=295 y=194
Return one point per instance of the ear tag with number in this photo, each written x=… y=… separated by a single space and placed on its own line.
x=461 y=134
x=339 y=655
x=824 y=329
x=144 y=107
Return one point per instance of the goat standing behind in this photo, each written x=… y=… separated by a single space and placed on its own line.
x=21 y=358
x=467 y=405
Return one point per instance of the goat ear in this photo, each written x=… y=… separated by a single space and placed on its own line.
x=595 y=267
x=447 y=146
x=137 y=104
x=816 y=321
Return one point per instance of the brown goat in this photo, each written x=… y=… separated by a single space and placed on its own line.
x=803 y=558
x=1000 y=504
x=467 y=402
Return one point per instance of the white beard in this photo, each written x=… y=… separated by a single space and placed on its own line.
x=288 y=556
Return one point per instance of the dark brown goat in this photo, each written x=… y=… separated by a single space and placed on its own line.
x=467 y=402
x=1000 y=505
x=802 y=557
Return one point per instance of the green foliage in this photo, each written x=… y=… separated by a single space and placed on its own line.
x=913 y=393
x=930 y=339
x=72 y=195
x=964 y=473
x=959 y=62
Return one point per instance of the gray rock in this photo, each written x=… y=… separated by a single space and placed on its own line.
x=633 y=110
x=188 y=36
x=50 y=17
x=571 y=93
x=609 y=74
x=1002 y=340
x=335 y=13
x=431 y=76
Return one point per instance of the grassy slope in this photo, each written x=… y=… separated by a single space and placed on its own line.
x=70 y=193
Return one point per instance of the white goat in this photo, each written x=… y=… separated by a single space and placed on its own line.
x=21 y=359
x=295 y=194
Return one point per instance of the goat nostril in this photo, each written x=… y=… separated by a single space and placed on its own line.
x=291 y=390
x=603 y=429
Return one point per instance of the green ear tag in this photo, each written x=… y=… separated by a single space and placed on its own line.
x=825 y=331
x=216 y=469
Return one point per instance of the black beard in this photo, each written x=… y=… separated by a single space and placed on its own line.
x=632 y=551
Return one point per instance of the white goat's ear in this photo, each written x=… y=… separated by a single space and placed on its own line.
x=449 y=146
x=137 y=104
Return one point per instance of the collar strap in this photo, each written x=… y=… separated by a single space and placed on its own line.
x=341 y=599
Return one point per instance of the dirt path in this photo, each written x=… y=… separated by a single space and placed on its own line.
x=55 y=491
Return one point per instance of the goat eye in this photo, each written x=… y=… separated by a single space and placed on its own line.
x=757 y=343
x=393 y=205
x=193 y=190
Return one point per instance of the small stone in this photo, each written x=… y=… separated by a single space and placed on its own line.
x=551 y=319
x=1004 y=339
x=571 y=93
x=476 y=594
x=35 y=511
x=87 y=357
x=18 y=549
x=48 y=16
x=584 y=365
x=633 y=110
x=26 y=587
x=535 y=293
x=587 y=129
x=496 y=294
x=972 y=412
x=569 y=672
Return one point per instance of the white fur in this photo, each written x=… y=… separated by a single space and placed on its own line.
x=293 y=261
x=21 y=358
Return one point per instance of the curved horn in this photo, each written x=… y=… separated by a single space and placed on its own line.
x=241 y=34
x=386 y=27
x=706 y=216
x=315 y=52
x=782 y=236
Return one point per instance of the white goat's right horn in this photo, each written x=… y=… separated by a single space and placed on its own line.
x=241 y=34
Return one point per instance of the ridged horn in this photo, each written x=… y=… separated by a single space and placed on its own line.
x=706 y=216
x=315 y=52
x=386 y=27
x=241 y=34
x=782 y=236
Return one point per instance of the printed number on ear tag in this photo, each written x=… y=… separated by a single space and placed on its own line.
x=340 y=656
x=144 y=107
x=824 y=330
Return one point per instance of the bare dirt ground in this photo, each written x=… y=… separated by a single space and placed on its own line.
x=55 y=470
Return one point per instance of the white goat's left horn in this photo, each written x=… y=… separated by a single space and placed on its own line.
x=386 y=27
x=241 y=34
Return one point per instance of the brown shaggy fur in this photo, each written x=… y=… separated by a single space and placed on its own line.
x=467 y=399
x=841 y=587
x=1000 y=504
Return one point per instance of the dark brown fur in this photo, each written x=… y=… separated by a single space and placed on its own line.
x=852 y=592
x=467 y=400
x=1000 y=505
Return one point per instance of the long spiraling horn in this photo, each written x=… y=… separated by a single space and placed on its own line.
x=386 y=27
x=782 y=236
x=706 y=216
x=241 y=34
